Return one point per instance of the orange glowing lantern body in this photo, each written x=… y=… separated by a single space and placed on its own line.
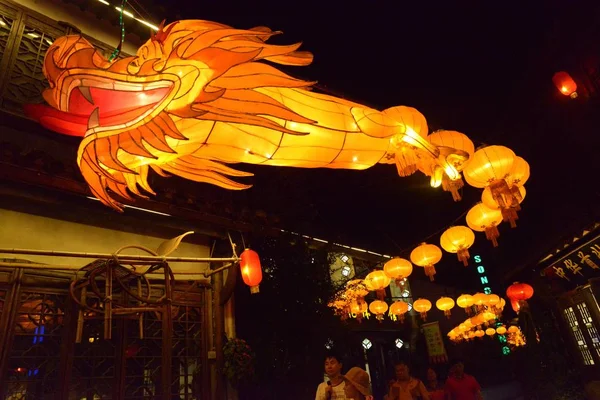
x=398 y=269
x=458 y=239
x=479 y=333
x=359 y=309
x=565 y=84
x=490 y=331
x=422 y=306
x=517 y=293
x=399 y=309
x=465 y=301
x=445 y=304
x=509 y=205
x=483 y=219
x=199 y=95
x=479 y=299
x=426 y=256
x=378 y=308
x=501 y=330
x=455 y=150
x=492 y=300
x=513 y=329
x=251 y=270
x=377 y=281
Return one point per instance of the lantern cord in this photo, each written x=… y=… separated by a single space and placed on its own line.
x=243 y=241
x=117 y=51
x=232 y=245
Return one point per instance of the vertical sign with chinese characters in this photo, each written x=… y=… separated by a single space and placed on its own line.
x=485 y=282
x=435 y=344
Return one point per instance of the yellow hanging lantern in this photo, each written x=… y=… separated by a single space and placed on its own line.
x=479 y=299
x=359 y=309
x=519 y=172
x=513 y=329
x=509 y=206
x=377 y=281
x=398 y=269
x=458 y=239
x=398 y=309
x=426 y=256
x=471 y=335
x=455 y=150
x=477 y=320
x=483 y=219
x=488 y=166
x=501 y=330
x=422 y=306
x=479 y=333
x=490 y=331
x=378 y=308
x=445 y=304
x=465 y=301
x=492 y=300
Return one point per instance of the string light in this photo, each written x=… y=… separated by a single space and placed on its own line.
x=130 y=15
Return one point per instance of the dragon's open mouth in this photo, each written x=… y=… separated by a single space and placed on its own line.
x=101 y=104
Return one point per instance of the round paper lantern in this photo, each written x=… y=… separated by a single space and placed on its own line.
x=519 y=172
x=565 y=84
x=513 y=329
x=508 y=204
x=489 y=164
x=377 y=281
x=502 y=304
x=445 y=304
x=458 y=239
x=501 y=330
x=455 y=150
x=465 y=301
x=492 y=299
x=399 y=308
x=479 y=333
x=479 y=299
x=358 y=307
x=422 y=306
x=483 y=219
x=398 y=269
x=426 y=256
x=251 y=269
x=378 y=308
x=518 y=292
x=477 y=320
x=471 y=335
x=490 y=331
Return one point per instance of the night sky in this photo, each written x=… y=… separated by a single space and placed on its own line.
x=482 y=68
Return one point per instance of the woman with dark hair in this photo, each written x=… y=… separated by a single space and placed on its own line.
x=436 y=390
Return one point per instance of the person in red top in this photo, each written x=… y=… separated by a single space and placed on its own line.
x=461 y=386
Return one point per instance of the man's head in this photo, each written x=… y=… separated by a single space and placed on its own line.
x=333 y=365
x=457 y=368
x=402 y=371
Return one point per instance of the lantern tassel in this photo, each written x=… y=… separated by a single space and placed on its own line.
x=447 y=313
x=492 y=234
x=463 y=255
x=453 y=186
x=430 y=271
x=510 y=215
x=424 y=315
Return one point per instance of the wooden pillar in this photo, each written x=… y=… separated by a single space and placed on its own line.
x=167 y=337
x=219 y=332
x=67 y=348
x=7 y=322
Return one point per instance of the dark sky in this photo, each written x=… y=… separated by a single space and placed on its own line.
x=482 y=68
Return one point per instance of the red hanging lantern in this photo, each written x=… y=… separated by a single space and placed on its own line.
x=518 y=292
x=251 y=270
x=565 y=84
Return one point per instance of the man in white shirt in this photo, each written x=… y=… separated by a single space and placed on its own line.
x=334 y=388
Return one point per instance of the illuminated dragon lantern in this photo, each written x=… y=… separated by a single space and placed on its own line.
x=200 y=95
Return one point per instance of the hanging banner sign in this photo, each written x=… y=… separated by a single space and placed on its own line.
x=435 y=343
x=578 y=265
